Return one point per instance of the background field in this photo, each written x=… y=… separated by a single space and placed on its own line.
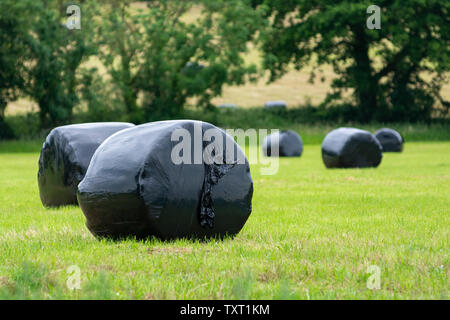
x=294 y=87
x=312 y=235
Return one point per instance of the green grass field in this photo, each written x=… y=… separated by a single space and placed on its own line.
x=312 y=234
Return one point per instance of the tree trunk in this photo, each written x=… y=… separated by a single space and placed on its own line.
x=129 y=92
x=3 y=105
x=364 y=81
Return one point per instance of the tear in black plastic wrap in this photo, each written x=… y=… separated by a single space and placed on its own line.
x=351 y=148
x=390 y=140
x=135 y=188
x=289 y=144
x=65 y=157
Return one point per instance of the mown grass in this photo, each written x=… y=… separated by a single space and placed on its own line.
x=312 y=234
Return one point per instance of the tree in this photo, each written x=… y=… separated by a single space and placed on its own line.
x=158 y=56
x=56 y=54
x=387 y=68
x=13 y=54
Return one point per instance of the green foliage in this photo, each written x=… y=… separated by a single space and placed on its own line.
x=99 y=98
x=311 y=123
x=13 y=54
x=314 y=123
x=56 y=54
x=26 y=126
x=385 y=67
x=156 y=55
x=6 y=132
x=150 y=64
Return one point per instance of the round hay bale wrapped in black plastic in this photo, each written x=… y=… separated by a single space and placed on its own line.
x=390 y=140
x=191 y=68
x=275 y=105
x=351 y=148
x=65 y=157
x=164 y=180
x=228 y=106
x=288 y=142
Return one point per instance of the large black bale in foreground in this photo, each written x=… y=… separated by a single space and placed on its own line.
x=390 y=140
x=289 y=144
x=65 y=157
x=159 y=179
x=351 y=148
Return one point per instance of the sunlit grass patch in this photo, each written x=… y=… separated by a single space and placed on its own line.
x=313 y=234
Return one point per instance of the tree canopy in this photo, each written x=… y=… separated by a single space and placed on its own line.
x=395 y=72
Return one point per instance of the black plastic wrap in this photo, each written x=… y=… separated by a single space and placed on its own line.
x=65 y=157
x=351 y=148
x=133 y=188
x=289 y=142
x=228 y=106
x=191 y=68
x=390 y=140
x=275 y=105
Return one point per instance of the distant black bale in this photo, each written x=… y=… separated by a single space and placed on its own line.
x=191 y=68
x=289 y=142
x=390 y=140
x=142 y=184
x=65 y=157
x=228 y=106
x=351 y=148
x=275 y=105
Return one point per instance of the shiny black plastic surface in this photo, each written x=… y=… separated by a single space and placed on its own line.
x=65 y=157
x=351 y=148
x=289 y=142
x=133 y=188
x=275 y=105
x=390 y=140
